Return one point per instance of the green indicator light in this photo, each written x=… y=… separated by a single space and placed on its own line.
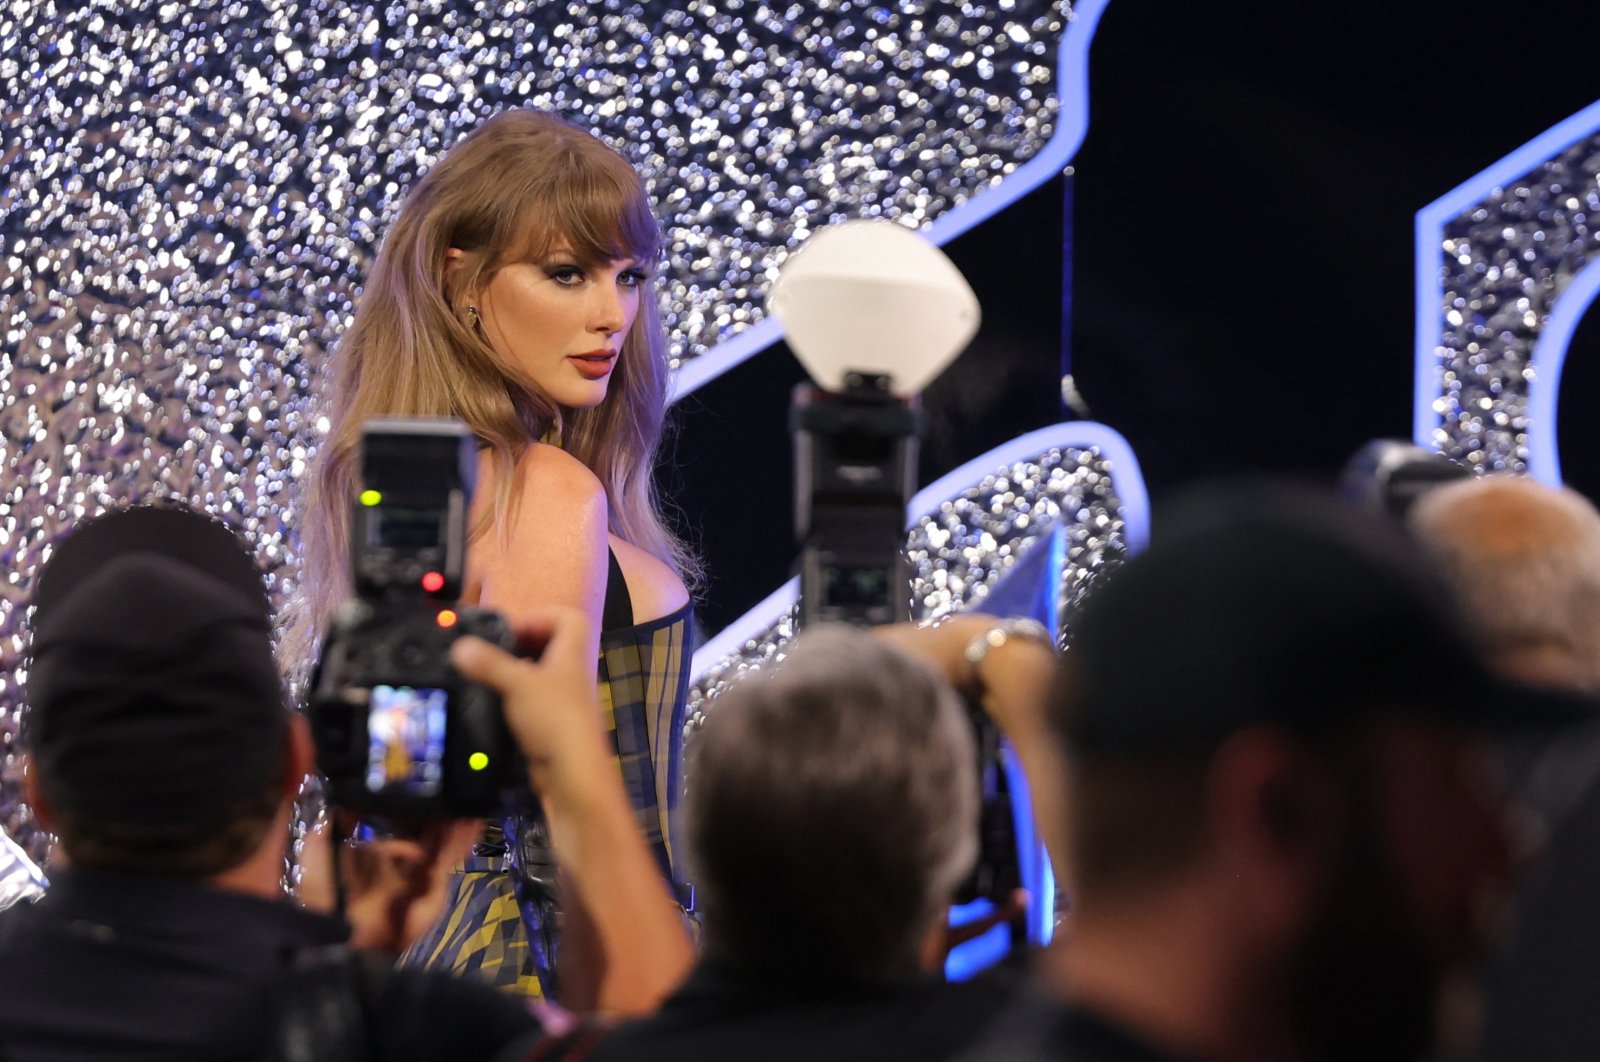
x=370 y=497
x=478 y=761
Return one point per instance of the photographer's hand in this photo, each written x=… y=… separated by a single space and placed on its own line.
x=548 y=698
x=1012 y=685
x=642 y=951
x=395 y=887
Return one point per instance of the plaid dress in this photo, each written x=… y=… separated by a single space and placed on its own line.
x=502 y=923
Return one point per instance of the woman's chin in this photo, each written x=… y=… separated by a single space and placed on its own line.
x=584 y=394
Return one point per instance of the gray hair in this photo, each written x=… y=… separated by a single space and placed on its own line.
x=1525 y=562
x=832 y=811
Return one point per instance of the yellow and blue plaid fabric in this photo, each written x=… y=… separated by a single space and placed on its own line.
x=644 y=688
x=481 y=935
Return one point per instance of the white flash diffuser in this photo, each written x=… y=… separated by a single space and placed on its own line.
x=873 y=298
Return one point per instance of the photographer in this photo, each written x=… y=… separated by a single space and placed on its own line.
x=1524 y=558
x=165 y=759
x=1286 y=830
x=832 y=814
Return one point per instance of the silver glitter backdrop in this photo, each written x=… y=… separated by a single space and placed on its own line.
x=190 y=192
x=962 y=549
x=1503 y=264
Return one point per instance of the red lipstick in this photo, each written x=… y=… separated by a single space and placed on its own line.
x=596 y=364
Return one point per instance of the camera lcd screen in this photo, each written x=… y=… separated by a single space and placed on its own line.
x=405 y=740
x=397 y=528
x=857 y=586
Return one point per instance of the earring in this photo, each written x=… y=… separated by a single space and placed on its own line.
x=472 y=317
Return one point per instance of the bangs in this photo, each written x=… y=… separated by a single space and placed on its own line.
x=602 y=215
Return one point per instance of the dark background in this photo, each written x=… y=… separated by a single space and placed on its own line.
x=1239 y=295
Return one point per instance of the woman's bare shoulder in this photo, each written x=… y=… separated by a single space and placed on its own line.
x=551 y=549
x=545 y=477
x=551 y=471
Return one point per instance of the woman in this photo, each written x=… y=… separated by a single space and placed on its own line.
x=514 y=293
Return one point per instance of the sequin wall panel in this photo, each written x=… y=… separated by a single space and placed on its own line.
x=190 y=192
x=1503 y=264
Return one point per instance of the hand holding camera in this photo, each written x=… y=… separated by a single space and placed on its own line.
x=398 y=731
x=392 y=887
x=547 y=696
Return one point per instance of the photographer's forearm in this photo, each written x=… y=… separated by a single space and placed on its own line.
x=1015 y=681
x=1012 y=682
x=634 y=950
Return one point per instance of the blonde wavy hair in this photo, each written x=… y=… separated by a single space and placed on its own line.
x=513 y=190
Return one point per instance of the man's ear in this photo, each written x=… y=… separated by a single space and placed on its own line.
x=1276 y=819
x=33 y=794
x=1278 y=793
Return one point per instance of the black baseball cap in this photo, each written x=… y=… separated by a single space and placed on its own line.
x=152 y=693
x=1275 y=603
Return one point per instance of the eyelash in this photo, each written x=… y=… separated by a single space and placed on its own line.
x=570 y=276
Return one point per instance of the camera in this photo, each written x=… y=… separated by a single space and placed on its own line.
x=855 y=456
x=874 y=311
x=855 y=459
x=397 y=730
x=1391 y=474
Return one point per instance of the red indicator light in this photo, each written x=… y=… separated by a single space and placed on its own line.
x=447 y=618
x=433 y=582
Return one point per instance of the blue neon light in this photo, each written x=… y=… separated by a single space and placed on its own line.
x=1072 y=124
x=971 y=957
x=724 y=356
x=1043 y=877
x=1548 y=358
x=1031 y=588
x=1431 y=222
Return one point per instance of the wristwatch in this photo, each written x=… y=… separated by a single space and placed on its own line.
x=1000 y=634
